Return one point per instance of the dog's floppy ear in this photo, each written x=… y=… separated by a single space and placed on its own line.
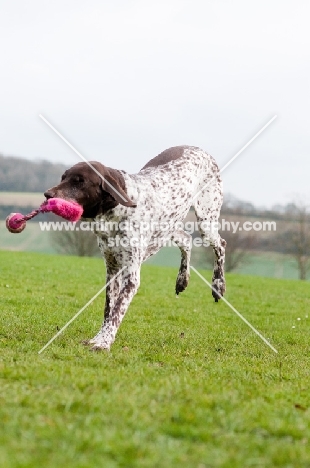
x=112 y=182
x=111 y=185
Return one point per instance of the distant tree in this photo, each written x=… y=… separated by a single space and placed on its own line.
x=23 y=175
x=235 y=206
x=237 y=248
x=296 y=238
x=78 y=242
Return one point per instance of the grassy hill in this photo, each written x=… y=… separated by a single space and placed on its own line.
x=186 y=383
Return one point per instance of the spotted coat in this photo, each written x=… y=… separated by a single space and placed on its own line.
x=159 y=198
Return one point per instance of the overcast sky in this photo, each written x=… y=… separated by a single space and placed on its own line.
x=124 y=80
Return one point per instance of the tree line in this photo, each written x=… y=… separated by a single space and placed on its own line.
x=23 y=175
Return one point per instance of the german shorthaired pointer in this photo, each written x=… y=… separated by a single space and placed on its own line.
x=135 y=214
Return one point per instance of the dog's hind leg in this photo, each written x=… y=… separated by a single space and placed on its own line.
x=207 y=208
x=184 y=241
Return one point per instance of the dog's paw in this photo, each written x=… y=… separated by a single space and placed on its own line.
x=88 y=342
x=218 y=289
x=95 y=340
x=100 y=347
x=101 y=342
x=182 y=282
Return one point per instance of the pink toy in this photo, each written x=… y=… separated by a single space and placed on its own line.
x=16 y=222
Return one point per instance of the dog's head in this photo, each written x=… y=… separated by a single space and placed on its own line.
x=92 y=185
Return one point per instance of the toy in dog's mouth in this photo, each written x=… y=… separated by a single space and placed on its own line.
x=69 y=210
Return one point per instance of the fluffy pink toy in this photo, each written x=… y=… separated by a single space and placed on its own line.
x=16 y=222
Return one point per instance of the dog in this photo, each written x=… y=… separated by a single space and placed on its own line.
x=157 y=198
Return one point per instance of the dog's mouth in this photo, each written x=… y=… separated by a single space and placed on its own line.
x=50 y=195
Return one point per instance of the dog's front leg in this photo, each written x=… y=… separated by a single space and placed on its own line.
x=114 y=282
x=130 y=282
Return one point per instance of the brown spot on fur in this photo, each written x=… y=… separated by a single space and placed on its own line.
x=166 y=156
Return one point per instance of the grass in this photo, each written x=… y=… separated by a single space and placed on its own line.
x=186 y=383
x=21 y=198
x=31 y=239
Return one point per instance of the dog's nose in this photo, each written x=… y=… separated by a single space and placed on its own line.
x=48 y=194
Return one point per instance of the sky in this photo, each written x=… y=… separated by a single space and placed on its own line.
x=125 y=80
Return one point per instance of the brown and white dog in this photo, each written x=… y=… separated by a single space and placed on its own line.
x=134 y=215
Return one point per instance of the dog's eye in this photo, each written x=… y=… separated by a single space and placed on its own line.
x=78 y=179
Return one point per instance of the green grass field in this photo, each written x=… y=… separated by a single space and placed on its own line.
x=186 y=383
x=32 y=239
x=21 y=198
